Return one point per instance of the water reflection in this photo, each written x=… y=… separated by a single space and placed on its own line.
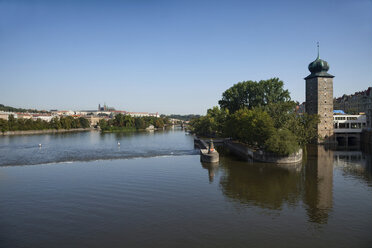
x=263 y=185
x=354 y=163
x=272 y=186
x=318 y=184
x=212 y=170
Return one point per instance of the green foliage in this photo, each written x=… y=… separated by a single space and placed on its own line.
x=103 y=124
x=126 y=123
x=159 y=123
x=140 y=123
x=305 y=128
x=203 y=126
x=252 y=127
x=251 y=94
x=213 y=124
x=11 y=109
x=281 y=112
x=84 y=123
x=181 y=117
x=261 y=115
x=68 y=122
x=282 y=142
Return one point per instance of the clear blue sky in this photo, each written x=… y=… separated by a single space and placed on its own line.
x=174 y=56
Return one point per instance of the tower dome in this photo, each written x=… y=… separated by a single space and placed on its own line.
x=319 y=68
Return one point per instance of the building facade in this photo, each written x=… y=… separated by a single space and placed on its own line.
x=319 y=97
x=359 y=102
x=349 y=123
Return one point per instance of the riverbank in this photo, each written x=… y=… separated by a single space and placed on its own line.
x=46 y=131
x=247 y=153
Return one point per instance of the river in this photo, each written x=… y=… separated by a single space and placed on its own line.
x=86 y=190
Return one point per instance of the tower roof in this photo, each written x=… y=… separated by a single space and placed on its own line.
x=319 y=68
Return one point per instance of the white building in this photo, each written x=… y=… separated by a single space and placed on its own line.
x=143 y=114
x=4 y=115
x=349 y=123
x=47 y=118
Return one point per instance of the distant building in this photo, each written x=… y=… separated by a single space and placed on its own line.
x=93 y=120
x=359 y=102
x=42 y=117
x=300 y=109
x=62 y=112
x=105 y=108
x=5 y=115
x=143 y=114
x=24 y=115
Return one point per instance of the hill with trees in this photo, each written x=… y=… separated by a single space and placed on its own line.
x=20 y=110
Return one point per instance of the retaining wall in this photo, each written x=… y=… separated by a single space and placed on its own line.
x=247 y=153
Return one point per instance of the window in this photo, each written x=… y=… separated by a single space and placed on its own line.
x=356 y=125
x=340 y=118
x=343 y=125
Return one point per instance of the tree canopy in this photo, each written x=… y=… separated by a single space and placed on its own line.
x=20 y=124
x=259 y=114
x=250 y=94
x=122 y=123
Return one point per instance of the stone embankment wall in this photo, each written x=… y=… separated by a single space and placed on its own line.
x=45 y=131
x=201 y=144
x=247 y=153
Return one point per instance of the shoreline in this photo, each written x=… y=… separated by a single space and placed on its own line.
x=46 y=131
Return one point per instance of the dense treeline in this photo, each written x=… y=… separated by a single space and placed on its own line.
x=128 y=123
x=68 y=122
x=21 y=110
x=261 y=115
x=182 y=117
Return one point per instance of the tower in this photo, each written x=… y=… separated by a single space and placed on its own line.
x=319 y=97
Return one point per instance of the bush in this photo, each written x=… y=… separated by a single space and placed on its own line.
x=282 y=142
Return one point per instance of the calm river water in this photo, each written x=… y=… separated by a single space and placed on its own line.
x=83 y=190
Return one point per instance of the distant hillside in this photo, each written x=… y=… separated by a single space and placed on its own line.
x=182 y=117
x=11 y=109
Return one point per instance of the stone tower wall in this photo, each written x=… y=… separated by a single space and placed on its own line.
x=319 y=100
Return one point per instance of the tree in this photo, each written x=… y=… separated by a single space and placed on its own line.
x=282 y=142
x=12 y=123
x=103 y=124
x=218 y=119
x=252 y=127
x=119 y=120
x=84 y=123
x=129 y=121
x=4 y=125
x=281 y=112
x=140 y=123
x=159 y=123
x=305 y=128
x=66 y=122
x=251 y=94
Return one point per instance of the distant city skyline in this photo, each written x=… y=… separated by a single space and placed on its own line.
x=174 y=57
